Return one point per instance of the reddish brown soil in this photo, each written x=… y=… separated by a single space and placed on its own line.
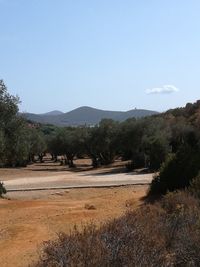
x=28 y=219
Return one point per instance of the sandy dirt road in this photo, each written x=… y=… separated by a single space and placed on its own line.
x=76 y=180
x=52 y=175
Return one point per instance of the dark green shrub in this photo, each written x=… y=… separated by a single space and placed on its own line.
x=177 y=171
x=157 y=154
x=2 y=189
x=130 y=166
x=138 y=159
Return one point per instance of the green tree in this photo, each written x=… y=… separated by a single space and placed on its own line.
x=16 y=143
x=37 y=144
x=13 y=149
x=8 y=105
x=100 y=142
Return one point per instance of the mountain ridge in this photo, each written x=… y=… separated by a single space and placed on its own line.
x=85 y=115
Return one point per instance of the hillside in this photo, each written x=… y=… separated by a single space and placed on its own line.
x=85 y=116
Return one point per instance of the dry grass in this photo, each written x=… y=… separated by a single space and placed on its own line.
x=164 y=234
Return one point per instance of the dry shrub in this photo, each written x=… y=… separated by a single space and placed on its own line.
x=90 y=207
x=195 y=187
x=130 y=203
x=2 y=189
x=163 y=234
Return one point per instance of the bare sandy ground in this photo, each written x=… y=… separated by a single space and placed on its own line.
x=27 y=219
x=30 y=218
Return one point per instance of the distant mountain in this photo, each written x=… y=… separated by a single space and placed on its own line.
x=53 y=113
x=85 y=116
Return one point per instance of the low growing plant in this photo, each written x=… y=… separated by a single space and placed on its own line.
x=195 y=187
x=164 y=234
x=2 y=189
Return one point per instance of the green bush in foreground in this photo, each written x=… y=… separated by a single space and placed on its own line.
x=2 y=189
x=177 y=172
x=164 y=234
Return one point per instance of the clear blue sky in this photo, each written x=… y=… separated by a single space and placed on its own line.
x=109 y=54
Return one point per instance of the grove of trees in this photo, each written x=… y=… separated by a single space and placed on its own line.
x=168 y=142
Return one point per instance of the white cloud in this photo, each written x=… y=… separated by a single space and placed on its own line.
x=165 y=89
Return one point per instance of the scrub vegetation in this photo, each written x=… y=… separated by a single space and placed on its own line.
x=163 y=234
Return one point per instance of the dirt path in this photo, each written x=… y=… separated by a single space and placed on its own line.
x=51 y=175
x=70 y=180
x=29 y=218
